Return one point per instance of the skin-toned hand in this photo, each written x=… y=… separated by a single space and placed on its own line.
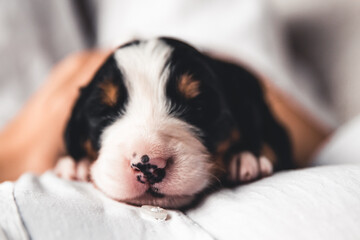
x=33 y=140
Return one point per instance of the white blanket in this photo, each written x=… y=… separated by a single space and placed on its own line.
x=47 y=207
x=317 y=203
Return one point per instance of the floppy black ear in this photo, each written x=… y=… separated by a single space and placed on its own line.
x=98 y=104
x=245 y=97
x=77 y=129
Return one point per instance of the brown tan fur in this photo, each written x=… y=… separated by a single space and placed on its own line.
x=222 y=149
x=188 y=86
x=109 y=92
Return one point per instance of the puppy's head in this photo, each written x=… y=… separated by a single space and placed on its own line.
x=152 y=119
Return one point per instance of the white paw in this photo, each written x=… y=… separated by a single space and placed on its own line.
x=266 y=167
x=67 y=168
x=245 y=167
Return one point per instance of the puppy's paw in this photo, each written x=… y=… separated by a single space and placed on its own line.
x=266 y=166
x=245 y=167
x=67 y=168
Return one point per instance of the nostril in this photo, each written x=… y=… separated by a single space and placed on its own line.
x=135 y=167
x=145 y=159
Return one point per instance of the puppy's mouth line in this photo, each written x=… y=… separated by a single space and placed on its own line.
x=154 y=192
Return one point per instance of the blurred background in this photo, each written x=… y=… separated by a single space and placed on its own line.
x=308 y=48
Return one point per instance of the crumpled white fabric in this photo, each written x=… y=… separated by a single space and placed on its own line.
x=52 y=208
x=342 y=147
x=314 y=203
x=11 y=226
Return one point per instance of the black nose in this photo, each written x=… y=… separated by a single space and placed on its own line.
x=148 y=173
x=145 y=159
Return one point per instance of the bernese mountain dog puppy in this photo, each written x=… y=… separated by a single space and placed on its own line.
x=161 y=122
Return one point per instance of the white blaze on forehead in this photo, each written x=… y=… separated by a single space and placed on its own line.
x=147 y=128
x=145 y=74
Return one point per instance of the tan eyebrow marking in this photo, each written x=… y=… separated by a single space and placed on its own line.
x=109 y=92
x=223 y=147
x=188 y=86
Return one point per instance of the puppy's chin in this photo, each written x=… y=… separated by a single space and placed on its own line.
x=150 y=197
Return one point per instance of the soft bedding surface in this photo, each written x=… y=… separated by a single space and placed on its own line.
x=316 y=203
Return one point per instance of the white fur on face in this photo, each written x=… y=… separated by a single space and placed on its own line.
x=146 y=128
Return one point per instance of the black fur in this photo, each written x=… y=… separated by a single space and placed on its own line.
x=245 y=98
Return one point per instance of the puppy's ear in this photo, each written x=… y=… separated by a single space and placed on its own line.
x=96 y=106
x=77 y=129
x=244 y=94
